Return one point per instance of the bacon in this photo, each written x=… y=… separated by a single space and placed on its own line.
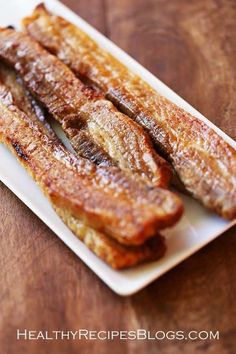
x=203 y=161
x=96 y=129
x=107 y=199
x=116 y=255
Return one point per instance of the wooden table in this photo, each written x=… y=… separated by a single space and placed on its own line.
x=189 y=44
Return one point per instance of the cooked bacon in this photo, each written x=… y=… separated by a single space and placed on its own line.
x=96 y=129
x=116 y=255
x=204 y=162
x=23 y=99
x=106 y=198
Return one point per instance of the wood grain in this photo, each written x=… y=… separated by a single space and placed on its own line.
x=44 y=286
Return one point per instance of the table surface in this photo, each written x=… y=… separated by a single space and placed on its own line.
x=189 y=45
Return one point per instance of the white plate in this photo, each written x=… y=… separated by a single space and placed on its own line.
x=198 y=226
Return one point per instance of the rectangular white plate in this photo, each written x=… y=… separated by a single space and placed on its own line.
x=198 y=226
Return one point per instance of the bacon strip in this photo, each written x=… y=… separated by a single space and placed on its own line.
x=96 y=129
x=116 y=255
x=204 y=162
x=104 y=197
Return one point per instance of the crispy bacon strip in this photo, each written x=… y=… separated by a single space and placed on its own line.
x=116 y=255
x=96 y=129
x=204 y=162
x=104 y=197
